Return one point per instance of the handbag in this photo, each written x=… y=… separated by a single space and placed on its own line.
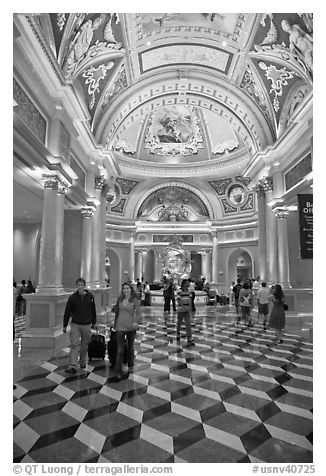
x=115 y=309
x=285 y=306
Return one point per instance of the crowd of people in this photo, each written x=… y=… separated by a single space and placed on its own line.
x=19 y=291
x=80 y=311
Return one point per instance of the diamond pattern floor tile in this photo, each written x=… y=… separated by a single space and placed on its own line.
x=236 y=396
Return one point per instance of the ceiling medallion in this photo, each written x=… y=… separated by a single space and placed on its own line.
x=174 y=130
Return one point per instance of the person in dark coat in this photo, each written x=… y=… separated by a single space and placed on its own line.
x=81 y=309
x=168 y=294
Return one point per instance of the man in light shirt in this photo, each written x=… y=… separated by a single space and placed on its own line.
x=263 y=302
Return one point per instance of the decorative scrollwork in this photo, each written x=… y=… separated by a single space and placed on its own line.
x=278 y=78
x=93 y=77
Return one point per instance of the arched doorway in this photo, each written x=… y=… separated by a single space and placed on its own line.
x=240 y=265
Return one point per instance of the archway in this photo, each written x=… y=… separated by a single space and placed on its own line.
x=240 y=265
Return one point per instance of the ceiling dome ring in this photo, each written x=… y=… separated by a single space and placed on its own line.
x=192 y=189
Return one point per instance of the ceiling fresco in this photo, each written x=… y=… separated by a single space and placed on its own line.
x=180 y=88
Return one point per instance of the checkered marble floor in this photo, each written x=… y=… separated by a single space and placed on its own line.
x=236 y=396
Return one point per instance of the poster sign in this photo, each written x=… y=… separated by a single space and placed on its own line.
x=305 y=210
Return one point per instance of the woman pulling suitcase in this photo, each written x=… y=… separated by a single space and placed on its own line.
x=126 y=324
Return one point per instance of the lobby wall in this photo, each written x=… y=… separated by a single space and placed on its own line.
x=26 y=247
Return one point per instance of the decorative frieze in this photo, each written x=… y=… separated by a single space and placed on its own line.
x=29 y=113
x=298 y=172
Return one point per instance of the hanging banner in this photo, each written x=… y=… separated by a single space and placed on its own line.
x=305 y=210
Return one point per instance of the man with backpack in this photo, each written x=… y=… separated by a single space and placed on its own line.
x=245 y=301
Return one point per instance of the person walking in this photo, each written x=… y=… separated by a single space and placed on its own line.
x=184 y=308
x=236 y=291
x=126 y=324
x=263 y=302
x=168 y=294
x=277 y=317
x=147 y=293
x=245 y=301
x=20 y=300
x=192 y=288
x=81 y=309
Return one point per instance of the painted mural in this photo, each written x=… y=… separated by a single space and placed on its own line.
x=225 y=22
x=173 y=130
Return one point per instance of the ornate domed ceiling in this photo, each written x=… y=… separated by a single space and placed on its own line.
x=189 y=99
x=181 y=88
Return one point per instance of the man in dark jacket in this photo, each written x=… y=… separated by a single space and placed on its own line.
x=81 y=309
x=236 y=290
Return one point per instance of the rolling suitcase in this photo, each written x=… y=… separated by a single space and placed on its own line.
x=96 y=347
x=112 y=349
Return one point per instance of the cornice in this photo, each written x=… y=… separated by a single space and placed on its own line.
x=204 y=169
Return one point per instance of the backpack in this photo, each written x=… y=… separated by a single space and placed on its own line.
x=246 y=300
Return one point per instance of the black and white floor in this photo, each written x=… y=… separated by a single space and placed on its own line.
x=236 y=396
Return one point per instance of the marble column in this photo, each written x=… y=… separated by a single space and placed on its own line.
x=96 y=240
x=261 y=204
x=132 y=257
x=204 y=263
x=51 y=247
x=145 y=264
x=214 y=260
x=271 y=233
x=45 y=308
x=157 y=266
x=87 y=231
x=283 y=247
x=139 y=264
x=103 y=237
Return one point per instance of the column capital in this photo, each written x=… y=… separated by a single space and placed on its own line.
x=281 y=212
x=259 y=189
x=50 y=181
x=54 y=182
x=87 y=212
x=62 y=188
x=99 y=182
x=266 y=183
